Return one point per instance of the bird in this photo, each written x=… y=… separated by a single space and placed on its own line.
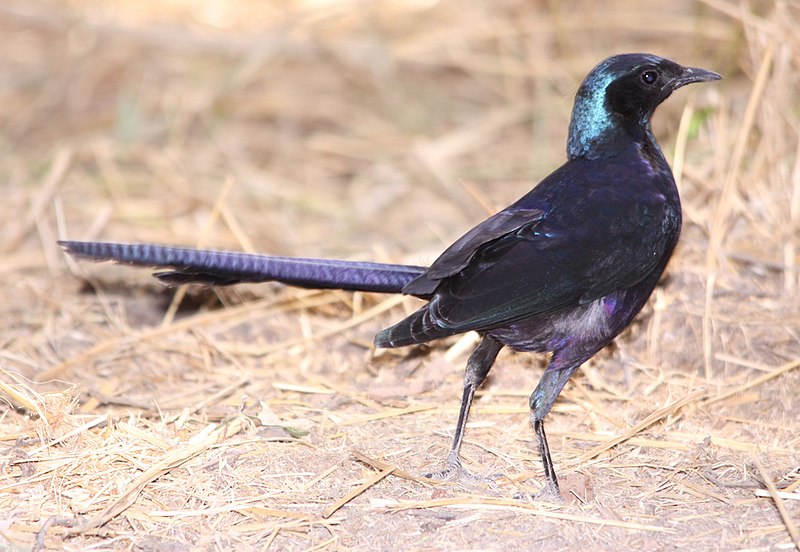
x=562 y=271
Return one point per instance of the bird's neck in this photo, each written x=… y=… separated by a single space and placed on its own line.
x=595 y=134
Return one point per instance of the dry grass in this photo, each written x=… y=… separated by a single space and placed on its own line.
x=138 y=418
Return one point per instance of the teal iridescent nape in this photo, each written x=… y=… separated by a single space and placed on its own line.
x=591 y=118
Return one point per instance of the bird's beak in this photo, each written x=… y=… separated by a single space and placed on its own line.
x=694 y=74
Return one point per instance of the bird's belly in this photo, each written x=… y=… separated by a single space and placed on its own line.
x=598 y=321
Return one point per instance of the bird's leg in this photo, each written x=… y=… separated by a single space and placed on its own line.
x=478 y=365
x=547 y=461
x=541 y=401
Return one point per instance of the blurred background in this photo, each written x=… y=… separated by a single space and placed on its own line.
x=380 y=130
x=332 y=120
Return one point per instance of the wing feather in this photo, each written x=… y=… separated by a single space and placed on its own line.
x=529 y=260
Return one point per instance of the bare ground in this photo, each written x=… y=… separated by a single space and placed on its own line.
x=259 y=417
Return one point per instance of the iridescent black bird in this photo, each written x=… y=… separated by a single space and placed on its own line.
x=563 y=270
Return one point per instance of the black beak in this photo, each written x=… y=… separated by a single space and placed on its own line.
x=694 y=74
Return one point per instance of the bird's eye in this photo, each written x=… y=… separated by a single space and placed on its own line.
x=649 y=76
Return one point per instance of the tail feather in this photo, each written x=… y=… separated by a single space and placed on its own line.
x=197 y=266
x=412 y=330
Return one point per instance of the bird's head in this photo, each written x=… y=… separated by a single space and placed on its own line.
x=620 y=94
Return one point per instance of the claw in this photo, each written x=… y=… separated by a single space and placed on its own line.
x=453 y=470
x=550 y=493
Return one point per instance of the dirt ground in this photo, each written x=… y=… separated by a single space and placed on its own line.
x=259 y=417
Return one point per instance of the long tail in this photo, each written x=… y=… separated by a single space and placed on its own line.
x=221 y=268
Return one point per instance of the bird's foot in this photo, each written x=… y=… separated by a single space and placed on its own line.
x=452 y=471
x=550 y=493
x=547 y=494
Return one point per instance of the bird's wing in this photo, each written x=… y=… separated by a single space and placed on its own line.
x=600 y=240
x=456 y=257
